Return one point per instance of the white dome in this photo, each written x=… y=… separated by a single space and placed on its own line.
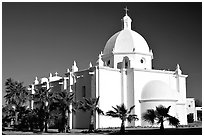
x=126 y=41
x=158 y=90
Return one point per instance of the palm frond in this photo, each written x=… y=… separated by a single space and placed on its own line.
x=131 y=118
x=131 y=109
x=173 y=121
x=163 y=111
x=112 y=114
x=116 y=109
x=149 y=116
x=99 y=111
x=122 y=109
x=97 y=100
x=88 y=100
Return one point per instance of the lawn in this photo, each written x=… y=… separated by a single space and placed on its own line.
x=170 y=131
x=129 y=131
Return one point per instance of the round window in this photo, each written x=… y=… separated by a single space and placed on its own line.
x=142 y=60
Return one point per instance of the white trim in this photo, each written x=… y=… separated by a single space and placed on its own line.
x=180 y=103
x=108 y=68
x=151 y=100
x=118 y=53
x=147 y=54
x=158 y=71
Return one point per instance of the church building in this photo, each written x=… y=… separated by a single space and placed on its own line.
x=124 y=74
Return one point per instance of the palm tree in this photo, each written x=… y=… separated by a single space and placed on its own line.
x=8 y=115
x=43 y=99
x=160 y=115
x=64 y=100
x=16 y=95
x=91 y=104
x=124 y=114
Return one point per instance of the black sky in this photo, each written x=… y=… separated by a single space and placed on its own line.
x=42 y=38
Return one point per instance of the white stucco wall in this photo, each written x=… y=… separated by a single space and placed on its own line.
x=131 y=95
x=141 y=77
x=109 y=84
x=135 y=60
x=181 y=103
x=82 y=79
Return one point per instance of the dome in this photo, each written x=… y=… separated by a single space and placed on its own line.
x=158 y=90
x=126 y=41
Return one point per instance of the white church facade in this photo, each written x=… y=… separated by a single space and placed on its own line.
x=124 y=74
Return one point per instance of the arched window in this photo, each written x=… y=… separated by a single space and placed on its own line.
x=126 y=62
x=108 y=63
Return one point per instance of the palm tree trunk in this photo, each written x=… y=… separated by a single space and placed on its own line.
x=46 y=117
x=122 y=128
x=62 y=122
x=162 y=125
x=91 y=126
x=45 y=125
x=16 y=118
x=68 y=122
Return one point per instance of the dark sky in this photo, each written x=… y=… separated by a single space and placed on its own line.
x=42 y=38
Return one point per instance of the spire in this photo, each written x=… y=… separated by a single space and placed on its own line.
x=100 y=61
x=50 y=74
x=178 y=70
x=36 y=81
x=68 y=70
x=90 y=65
x=74 y=67
x=178 y=66
x=74 y=63
x=126 y=20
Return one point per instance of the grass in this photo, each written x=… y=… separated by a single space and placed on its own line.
x=191 y=129
x=129 y=131
x=170 y=131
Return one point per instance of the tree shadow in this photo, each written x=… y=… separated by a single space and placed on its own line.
x=180 y=131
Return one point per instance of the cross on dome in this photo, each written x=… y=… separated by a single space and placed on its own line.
x=126 y=20
x=126 y=10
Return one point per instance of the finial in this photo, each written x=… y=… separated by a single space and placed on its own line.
x=178 y=66
x=126 y=10
x=74 y=67
x=99 y=61
x=36 y=81
x=90 y=65
x=99 y=56
x=178 y=70
x=68 y=70
x=50 y=74
x=56 y=73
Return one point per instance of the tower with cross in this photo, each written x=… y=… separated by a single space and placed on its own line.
x=126 y=20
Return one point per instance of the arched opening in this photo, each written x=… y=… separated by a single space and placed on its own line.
x=126 y=62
